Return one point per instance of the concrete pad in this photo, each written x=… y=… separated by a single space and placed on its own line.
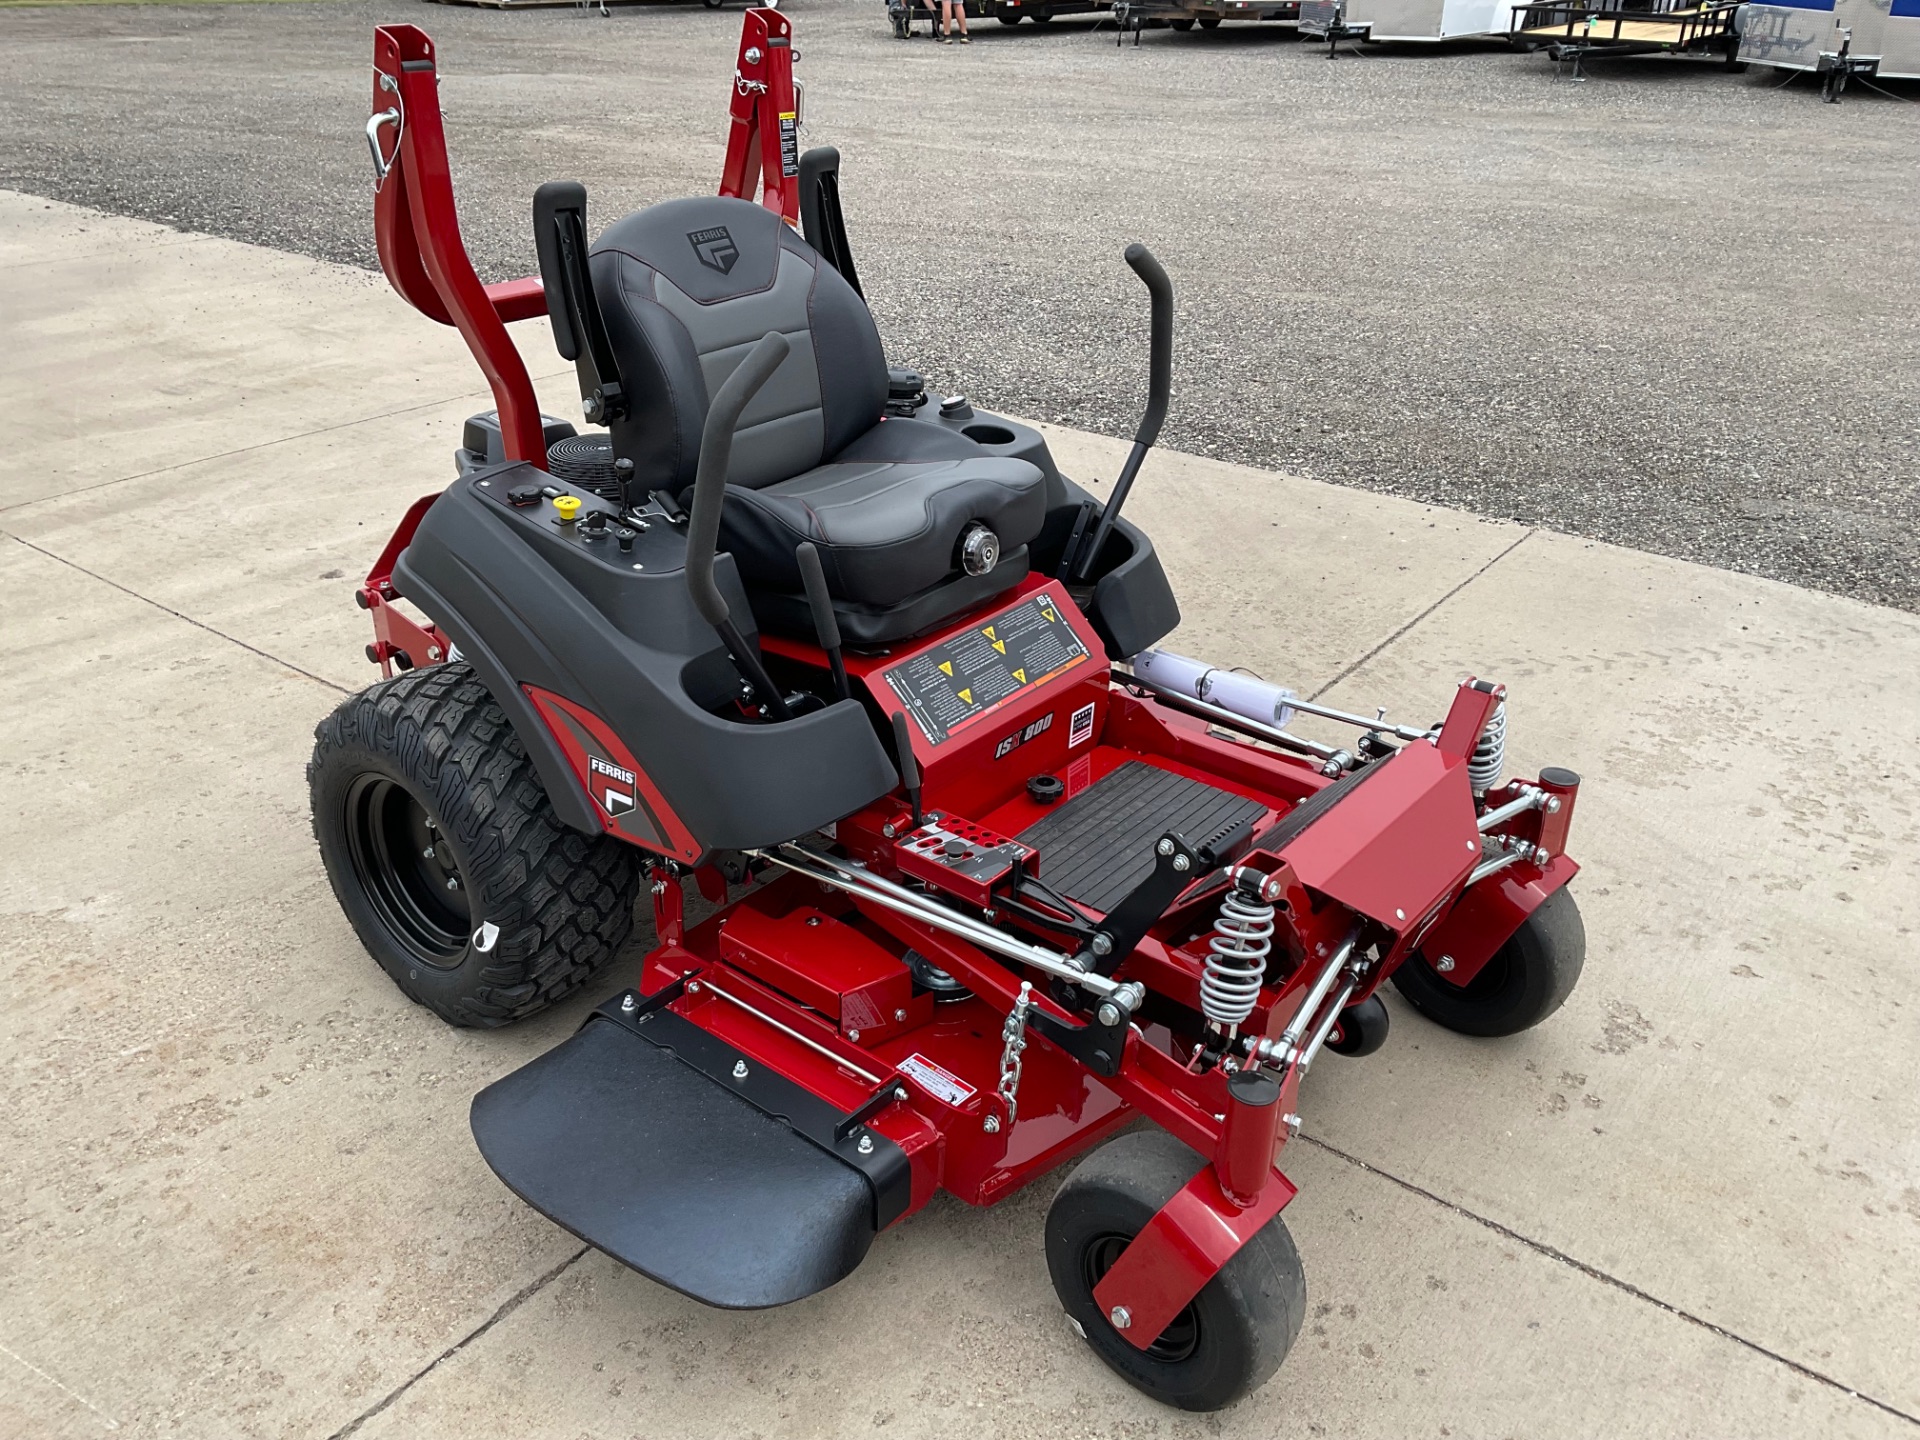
x=1419 y=1322
x=268 y=545
x=238 y=1195
x=145 y=356
x=1722 y=1114
x=45 y=232
x=243 y=1200
x=1287 y=576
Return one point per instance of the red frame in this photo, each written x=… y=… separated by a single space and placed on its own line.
x=1392 y=859
x=416 y=230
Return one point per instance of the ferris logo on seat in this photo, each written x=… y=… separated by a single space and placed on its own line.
x=715 y=248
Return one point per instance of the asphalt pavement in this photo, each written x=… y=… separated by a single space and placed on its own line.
x=1669 y=307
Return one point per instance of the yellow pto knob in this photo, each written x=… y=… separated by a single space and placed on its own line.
x=568 y=506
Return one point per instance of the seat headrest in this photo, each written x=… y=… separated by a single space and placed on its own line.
x=711 y=247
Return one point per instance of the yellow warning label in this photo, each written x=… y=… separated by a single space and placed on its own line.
x=967 y=696
x=1021 y=676
x=947 y=666
x=987 y=630
x=1047 y=610
x=1001 y=646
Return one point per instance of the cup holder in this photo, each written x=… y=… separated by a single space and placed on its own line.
x=984 y=434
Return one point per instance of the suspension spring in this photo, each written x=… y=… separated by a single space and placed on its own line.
x=1489 y=757
x=1236 y=959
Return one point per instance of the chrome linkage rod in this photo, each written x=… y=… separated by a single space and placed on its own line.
x=1337 y=760
x=1284 y=1049
x=1532 y=797
x=855 y=879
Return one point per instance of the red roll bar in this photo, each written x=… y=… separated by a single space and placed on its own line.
x=417 y=228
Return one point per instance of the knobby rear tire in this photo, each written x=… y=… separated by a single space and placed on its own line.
x=434 y=826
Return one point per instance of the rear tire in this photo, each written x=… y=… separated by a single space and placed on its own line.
x=1527 y=979
x=1237 y=1330
x=445 y=853
x=1209 y=22
x=1181 y=25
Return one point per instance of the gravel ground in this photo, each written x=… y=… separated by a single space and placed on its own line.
x=1672 y=307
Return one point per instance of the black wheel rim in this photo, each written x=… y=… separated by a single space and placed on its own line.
x=1181 y=1337
x=408 y=871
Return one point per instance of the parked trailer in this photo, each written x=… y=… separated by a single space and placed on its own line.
x=1133 y=16
x=1835 y=39
x=1577 y=32
x=1415 y=20
x=901 y=14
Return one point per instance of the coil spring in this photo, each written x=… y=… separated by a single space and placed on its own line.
x=1490 y=755
x=1236 y=959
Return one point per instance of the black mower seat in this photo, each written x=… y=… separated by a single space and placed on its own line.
x=886 y=529
x=687 y=288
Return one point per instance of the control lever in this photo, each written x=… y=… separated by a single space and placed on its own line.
x=826 y=626
x=1080 y=562
x=909 y=767
x=709 y=495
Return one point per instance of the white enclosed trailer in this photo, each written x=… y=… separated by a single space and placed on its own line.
x=1834 y=38
x=1417 y=20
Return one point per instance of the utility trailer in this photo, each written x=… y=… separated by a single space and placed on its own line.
x=1419 y=21
x=1575 y=32
x=1133 y=16
x=1835 y=39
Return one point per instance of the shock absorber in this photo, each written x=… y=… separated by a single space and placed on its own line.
x=1238 y=949
x=1489 y=756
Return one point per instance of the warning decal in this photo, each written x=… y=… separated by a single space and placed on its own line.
x=979 y=670
x=943 y=1085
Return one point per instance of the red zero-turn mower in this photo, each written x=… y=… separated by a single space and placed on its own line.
x=994 y=876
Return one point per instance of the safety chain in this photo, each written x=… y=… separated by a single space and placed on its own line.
x=1014 y=1034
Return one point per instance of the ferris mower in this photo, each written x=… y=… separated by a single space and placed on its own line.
x=994 y=874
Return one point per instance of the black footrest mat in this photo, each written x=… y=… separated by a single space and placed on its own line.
x=610 y=1136
x=1099 y=845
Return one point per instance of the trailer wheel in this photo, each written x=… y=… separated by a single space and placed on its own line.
x=1008 y=19
x=1186 y=24
x=1208 y=22
x=1527 y=979
x=445 y=853
x=1238 y=1328
x=1041 y=17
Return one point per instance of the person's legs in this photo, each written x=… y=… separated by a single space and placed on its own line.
x=947 y=7
x=960 y=12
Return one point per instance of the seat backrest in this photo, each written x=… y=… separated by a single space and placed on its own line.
x=687 y=287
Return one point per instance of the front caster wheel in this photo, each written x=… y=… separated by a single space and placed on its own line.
x=1360 y=1030
x=1527 y=979
x=445 y=853
x=1238 y=1328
